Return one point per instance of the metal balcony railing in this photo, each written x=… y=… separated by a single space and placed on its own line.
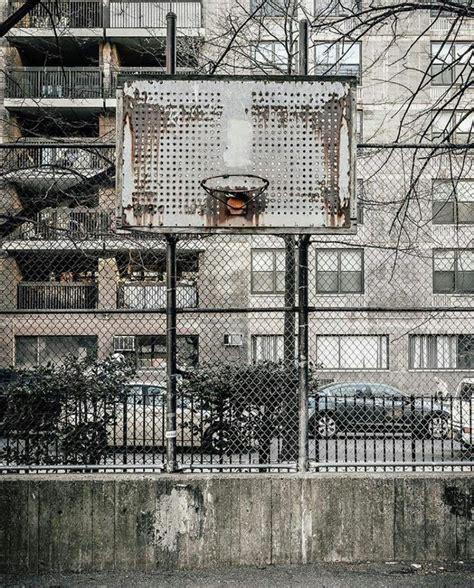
x=78 y=14
x=57 y=156
x=55 y=223
x=149 y=296
x=54 y=82
x=56 y=296
x=127 y=14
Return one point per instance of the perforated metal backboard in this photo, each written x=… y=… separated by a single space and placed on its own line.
x=299 y=133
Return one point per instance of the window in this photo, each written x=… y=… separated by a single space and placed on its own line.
x=267 y=348
x=268 y=271
x=35 y=351
x=453 y=126
x=441 y=352
x=271 y=55
x=453 y=202
x=151 y=350
x=453 y=271
x=352 y=352
x=343 y=58
x=339 y=271
x=271 y=7
x=336 y=7
x=451 y=63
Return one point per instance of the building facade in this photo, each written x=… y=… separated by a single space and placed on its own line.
x=391 y=304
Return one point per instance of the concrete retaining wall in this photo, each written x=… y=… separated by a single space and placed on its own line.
x=106 y=522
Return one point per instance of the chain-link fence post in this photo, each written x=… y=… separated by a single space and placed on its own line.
x=171 y=434
x=303 y=344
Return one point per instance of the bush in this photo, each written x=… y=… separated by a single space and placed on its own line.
x=246 y=405
x=60 y=413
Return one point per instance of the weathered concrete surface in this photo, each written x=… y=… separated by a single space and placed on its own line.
x=75 y=523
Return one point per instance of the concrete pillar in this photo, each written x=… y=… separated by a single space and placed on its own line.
x=9 y=278
x=107 y=281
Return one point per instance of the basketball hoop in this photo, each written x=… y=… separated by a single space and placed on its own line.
x=236 y=191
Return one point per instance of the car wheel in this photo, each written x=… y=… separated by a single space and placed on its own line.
x=325 y=426
x=218 y=439
x=437 y=427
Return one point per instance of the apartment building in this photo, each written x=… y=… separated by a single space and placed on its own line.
x=394 y=307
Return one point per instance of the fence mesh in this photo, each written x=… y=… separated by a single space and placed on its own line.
x=83 y=325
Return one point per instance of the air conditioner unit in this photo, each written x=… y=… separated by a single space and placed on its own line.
x=124 y=343
x=234 y=340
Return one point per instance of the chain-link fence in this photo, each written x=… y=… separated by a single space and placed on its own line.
x=366 y=365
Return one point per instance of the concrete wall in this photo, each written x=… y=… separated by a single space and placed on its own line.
x=140 y=522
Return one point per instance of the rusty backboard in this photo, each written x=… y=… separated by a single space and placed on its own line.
x=297 y=132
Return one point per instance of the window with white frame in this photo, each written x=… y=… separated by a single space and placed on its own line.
x=453 y=271
x=336 y=7
x=271 y=55
x=453 y=201
x=267 y=348
x=455 y=126
x=268 y=271
x=339 y=271
x=438 y=352
x=451 y=63
x=338 y=58
x=271 y=7
x=34 y=351
x=149 y=351
x=352 y=352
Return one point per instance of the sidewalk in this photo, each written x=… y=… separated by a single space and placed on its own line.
x=362 y=575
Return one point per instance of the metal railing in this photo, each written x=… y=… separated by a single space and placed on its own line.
x=149 y=296
x=54 y=82
x=126 y=14
x=26 y=156
x=57 y=223
x=345 y=432
x=52 y=296
x=78 y=14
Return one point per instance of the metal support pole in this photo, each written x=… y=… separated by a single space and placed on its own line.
x=303 y=47
x=303 y=351
x=289 y=450
x=171 y=43
x=171 y=433
x=290 y=299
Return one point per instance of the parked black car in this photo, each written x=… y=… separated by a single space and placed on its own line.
x=376 y=408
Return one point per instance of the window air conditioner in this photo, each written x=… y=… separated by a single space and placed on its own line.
x=234 y=340
x=124 y=343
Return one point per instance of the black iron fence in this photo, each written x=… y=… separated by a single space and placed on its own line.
x=338 y=353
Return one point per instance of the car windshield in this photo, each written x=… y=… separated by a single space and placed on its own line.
x=387 y=391
x=143 y=394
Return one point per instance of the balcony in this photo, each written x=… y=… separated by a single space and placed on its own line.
x=56 y=296
x=45 y=166
x=54 y=86
x=152 y=296
x=53 y=224
x=80 y=17
x=137 y=17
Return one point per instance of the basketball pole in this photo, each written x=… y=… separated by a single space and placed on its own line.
x=303 y=313
x=171 y=270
